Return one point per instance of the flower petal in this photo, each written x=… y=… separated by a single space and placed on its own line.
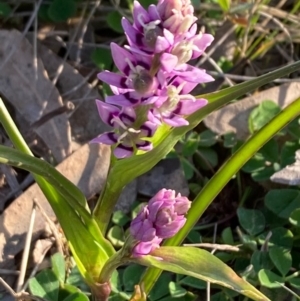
x=120 y=56
x=175 y=120
x=188 y=106
x=109 y=138
x=114 y=79
x=144 y=145
x=123 y=151
x=124 y=100
x=148 y=129
x=193 y=74
x=107 y=112
x=168 y=61
x=202 y=41
x=134 y=37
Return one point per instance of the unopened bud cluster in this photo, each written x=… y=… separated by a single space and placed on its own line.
x=154 y=81
x=162 y=218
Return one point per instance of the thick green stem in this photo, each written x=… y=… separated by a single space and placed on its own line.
x=222 y=177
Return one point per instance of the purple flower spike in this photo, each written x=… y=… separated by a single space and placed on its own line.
x=125 y=136
x=153 y=86
x=162 y=218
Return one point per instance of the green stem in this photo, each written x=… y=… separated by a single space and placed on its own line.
x=294 y=275
x=222 y=177
x=12 y=131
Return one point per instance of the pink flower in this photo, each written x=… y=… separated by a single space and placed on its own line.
x=162 y=218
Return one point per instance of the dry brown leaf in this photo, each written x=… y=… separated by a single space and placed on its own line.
x=234 y=117
x=289 y=175
x=85 y=121
x=32 y=98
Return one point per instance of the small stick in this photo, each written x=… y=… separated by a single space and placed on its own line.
x=20 y=296
x=26 y=251
x=51 y=225
x=215 y=247
x=8 y=272
x=35 y=269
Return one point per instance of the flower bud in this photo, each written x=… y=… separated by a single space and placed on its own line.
x=166 y=212
x=162 y=218
x=141 y=227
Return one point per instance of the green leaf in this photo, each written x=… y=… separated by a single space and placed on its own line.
x=131 y=276
x=60 y=11
x=43 y=13
x=282 y=259
x=194 y=237
x=295 y=282
x=227 y=236
x=230 y=140
x=187 y=297
x=176 y=290
x=294 y=218
x=76 y=279
x=262 y=115
x=114 y=21
x=89 y=247
x=189 y=147
x=67 y=190
x=102 y=58
x=261 y=260
x=207 y=157
x=161 y=287
x=116 y=236
x=270 y=151
x=207 y=138
x=256 y=163
x=45 y=285
x=120 y=219
x=116 y=285
x=42 y=168
x=66 y=290
x=269 y=279
x=288 y=152
x=264 y=174
x=146 y=3
x=5 y=9
x=281 y=237
x=261 y=165
x=294 y=128
x=187 y=168
x=59 y=266
x=282 y=201
x=253 y=221
x=77 y=297
x=225 y=5
x=193 y=282
x=207 y=267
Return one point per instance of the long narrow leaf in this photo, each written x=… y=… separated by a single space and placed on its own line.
x=223 y=176
x=66 y=189
x=65 y=199
x=200 y=264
